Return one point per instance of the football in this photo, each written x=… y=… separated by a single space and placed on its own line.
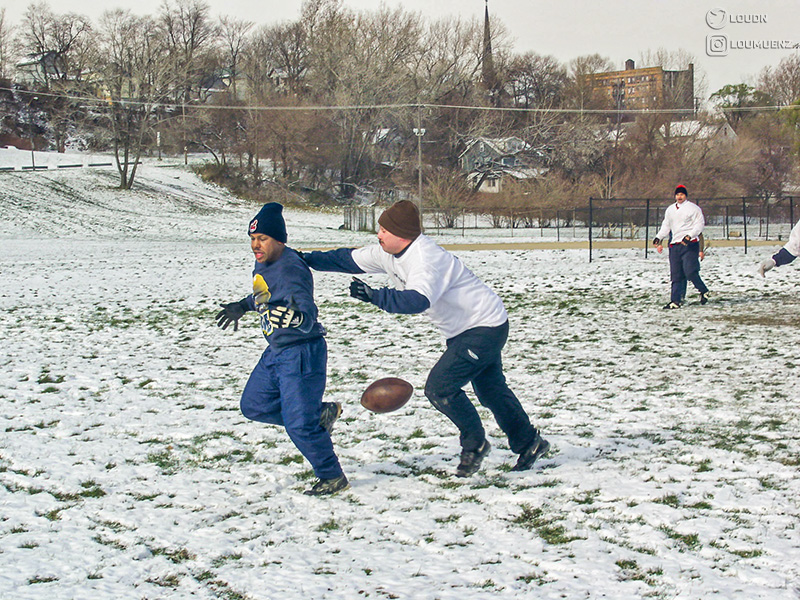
x=386 y=395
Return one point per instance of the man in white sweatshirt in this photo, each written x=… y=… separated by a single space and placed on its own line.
x=683 y=223
x=428 y=279
x=786 y=254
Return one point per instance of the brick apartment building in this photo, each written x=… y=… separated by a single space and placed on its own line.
x=648 y=88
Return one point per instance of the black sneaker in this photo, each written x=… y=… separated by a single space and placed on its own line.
x=672 y=305
x=328 y=487
x=471 y=460
x=330 y=412
x=527 y=457
x=703 y=297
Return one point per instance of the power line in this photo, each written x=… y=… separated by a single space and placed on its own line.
x=406 y=106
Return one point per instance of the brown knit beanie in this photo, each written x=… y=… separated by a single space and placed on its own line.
x=402 y=219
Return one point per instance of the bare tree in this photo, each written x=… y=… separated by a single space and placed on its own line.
x=6 y=46
x=362 y=60
x=536 y=81
x=774 y=163
x=580 y=93
x=233 y=35
x=448 y=195
x=58 y=42
x=277 y=59
x=138 y=76
x=189 y=34
x=782 y=83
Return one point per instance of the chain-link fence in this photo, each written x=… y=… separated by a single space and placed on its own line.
x=729 y=218
x=360 y=218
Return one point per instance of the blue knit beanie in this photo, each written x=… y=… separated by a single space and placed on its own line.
x=269 y=221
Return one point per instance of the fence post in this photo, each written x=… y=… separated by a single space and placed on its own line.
x=558 y=228
x=591 y=215
x=791 y=212
x=647 y=227
x=727 y=222
x=744 y=222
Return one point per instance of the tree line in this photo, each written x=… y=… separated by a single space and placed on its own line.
x=330 y=105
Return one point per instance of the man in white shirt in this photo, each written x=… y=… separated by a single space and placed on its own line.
x=427 y=278
x=786 y=254
x=684 y=223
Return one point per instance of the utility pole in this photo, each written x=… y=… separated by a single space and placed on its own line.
x=419 y=132
x=30 y=123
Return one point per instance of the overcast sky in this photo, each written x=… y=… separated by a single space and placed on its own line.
x=617 y=29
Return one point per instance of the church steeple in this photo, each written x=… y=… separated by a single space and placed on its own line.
x=487 y=61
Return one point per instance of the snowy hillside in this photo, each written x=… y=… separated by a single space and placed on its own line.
x=127 y=470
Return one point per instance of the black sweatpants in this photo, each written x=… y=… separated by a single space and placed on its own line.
x=474 y=357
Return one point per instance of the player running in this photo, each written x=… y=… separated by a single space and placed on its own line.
x=472 y=318
x=785 y=255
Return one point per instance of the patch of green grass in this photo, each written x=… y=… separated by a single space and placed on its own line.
x=533 y=578
x=704 y=466
x=176 y=556
x=46 y=377
x=165 y=460
x=167 y=581
x=690 y=541
x=746 y=553
x=221 y=560
x=329 y=525
x=670 y=500
x=548 y=529
x=109 y=542
x=91 y=490
x=588 y=497
x=448 y=519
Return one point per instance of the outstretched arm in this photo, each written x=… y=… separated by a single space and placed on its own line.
x=406 y=302
x=340 y=261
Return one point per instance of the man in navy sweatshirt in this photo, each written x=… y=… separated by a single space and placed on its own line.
x=286 y=386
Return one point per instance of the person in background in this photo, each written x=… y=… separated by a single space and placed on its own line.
x=785 y=255
x=684 y=223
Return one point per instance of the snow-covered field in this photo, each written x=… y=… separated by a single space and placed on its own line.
x=127 y=470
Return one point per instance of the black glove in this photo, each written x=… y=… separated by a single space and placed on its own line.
x=283 y=317
x=360 y=290
x=656 y=242
x=231 y=313
x=686 y=239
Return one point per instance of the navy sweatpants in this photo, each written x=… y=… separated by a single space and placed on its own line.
x=285 y=388
x=474 y=357
x=684 y=265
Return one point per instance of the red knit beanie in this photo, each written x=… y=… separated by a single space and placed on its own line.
x=402 y=220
